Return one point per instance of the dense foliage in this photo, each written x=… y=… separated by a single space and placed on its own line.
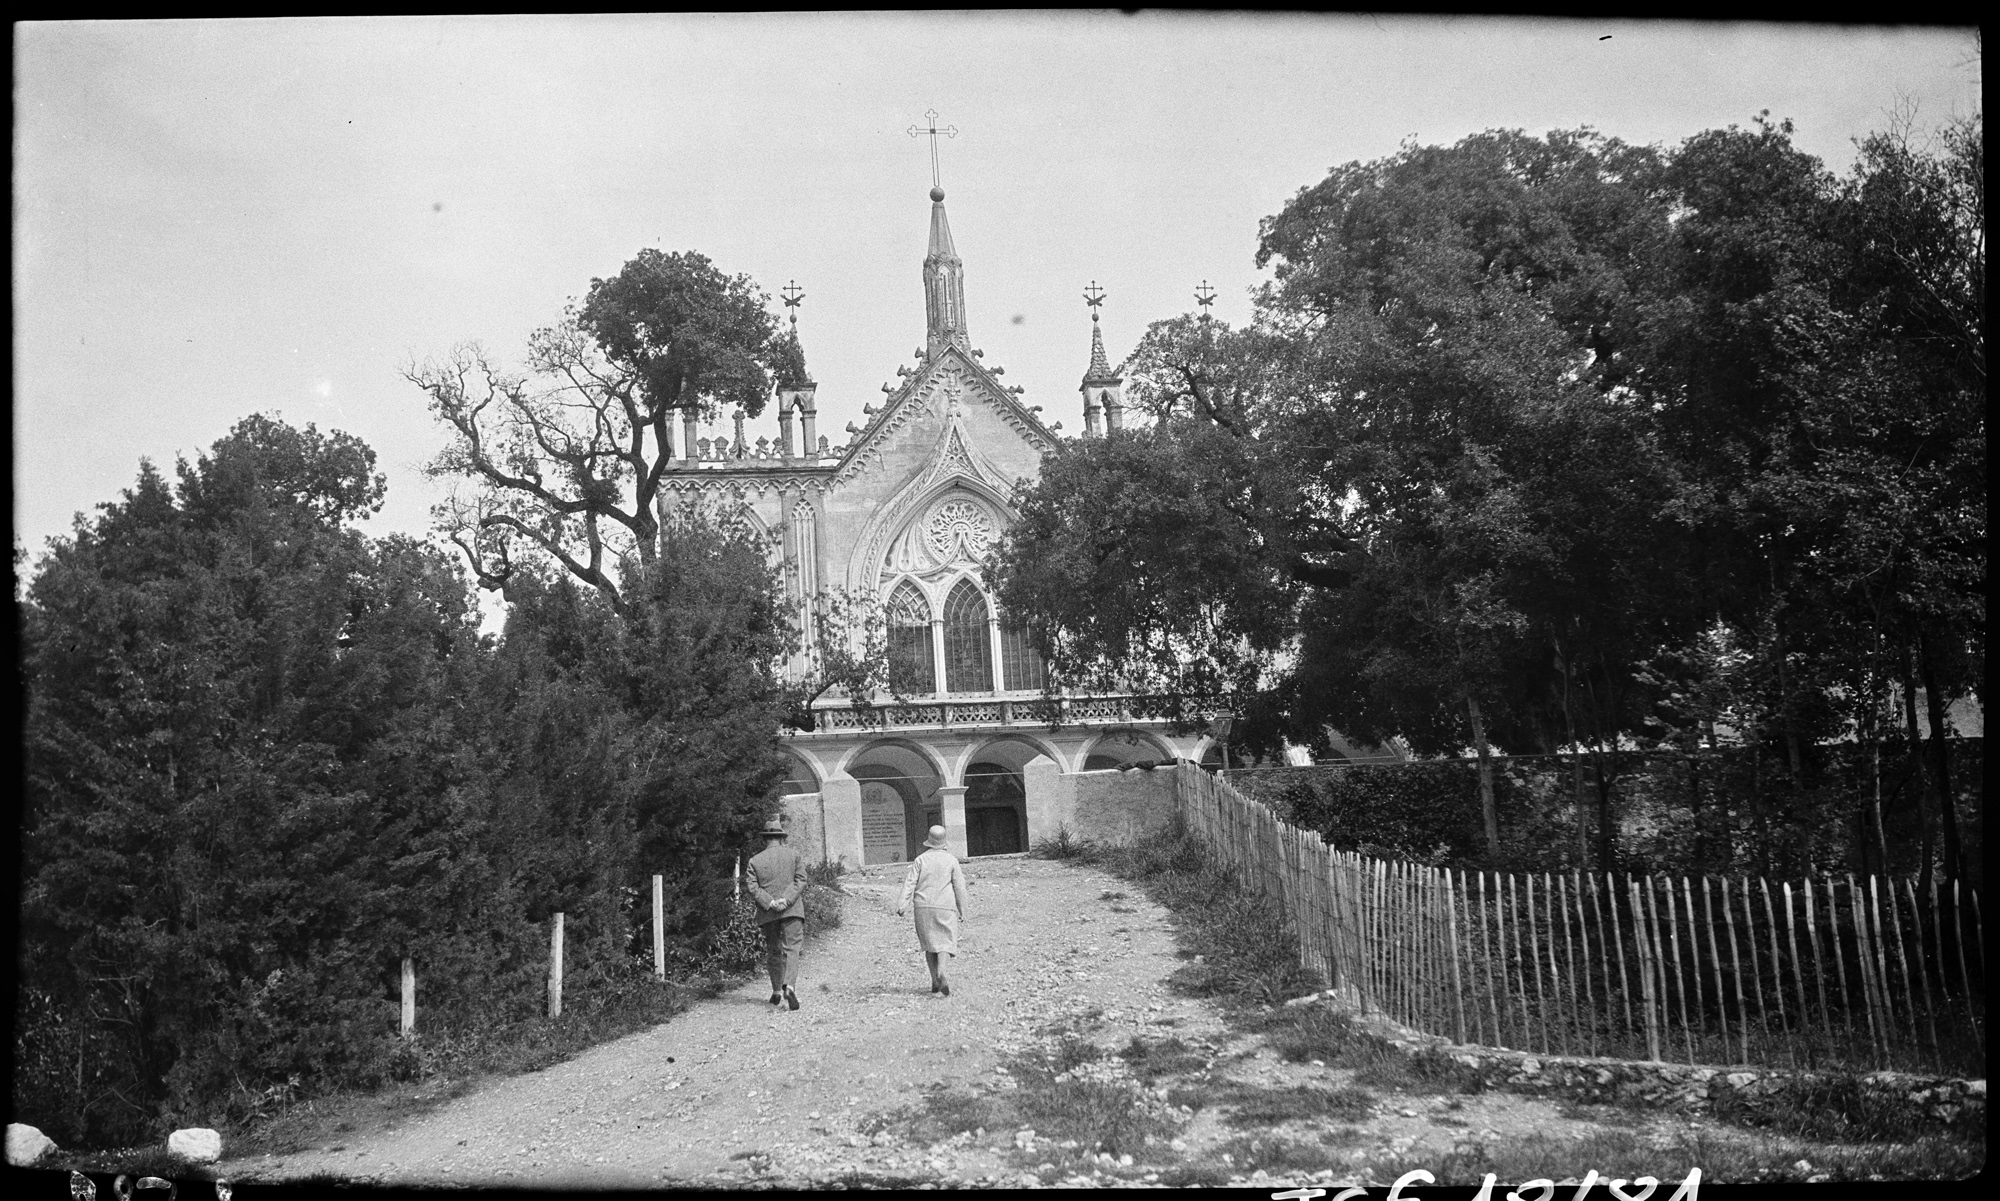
x=1559 y=442
x=268 y=757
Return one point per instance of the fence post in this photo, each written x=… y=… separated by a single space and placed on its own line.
x=1923 y=977
x=1819 y=960
x=1535 y=965
x=1841 y=963
x=1451 y=932
x=1883 y=984
x=1583 y=942
x=1777 y=966
x=1694 y=964
x=1522 y=965
x=659 y=928
x=1569 y=962
x=1964 y=977
x=1495 y=986
x=1902 y=961
x=1679 y=981
x=1736 y=964
x=409 y=1022
x=555 y=965
x=1617 y=937
x=1865 y=971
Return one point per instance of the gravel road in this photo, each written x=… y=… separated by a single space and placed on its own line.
x=732 y=1091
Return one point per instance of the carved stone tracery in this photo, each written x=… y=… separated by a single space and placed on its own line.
x=959 y=530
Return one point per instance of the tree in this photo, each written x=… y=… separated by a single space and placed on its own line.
x=237 y=745
x=567 y=460
x=1139 y=562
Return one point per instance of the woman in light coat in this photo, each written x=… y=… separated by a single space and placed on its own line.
x=937 y=884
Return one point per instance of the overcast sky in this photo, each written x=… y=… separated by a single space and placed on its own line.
x=215 y=218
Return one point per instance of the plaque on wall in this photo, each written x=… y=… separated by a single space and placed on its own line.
x=882 y=827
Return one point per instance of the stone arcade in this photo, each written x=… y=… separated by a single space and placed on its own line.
x=905 y=511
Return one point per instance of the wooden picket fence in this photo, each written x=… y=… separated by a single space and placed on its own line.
x=1827 y=971
x=407 y=1023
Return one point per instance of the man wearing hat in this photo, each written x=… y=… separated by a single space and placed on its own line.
x=777 y=878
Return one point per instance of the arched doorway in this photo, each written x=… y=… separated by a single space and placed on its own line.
x=899 y=800
x=996 y=797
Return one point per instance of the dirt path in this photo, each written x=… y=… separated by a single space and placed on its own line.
x=869 y=1036
x=735 y=1092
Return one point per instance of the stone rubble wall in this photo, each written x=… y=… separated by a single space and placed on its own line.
x=1933 y=1102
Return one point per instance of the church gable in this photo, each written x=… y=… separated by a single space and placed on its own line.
x=950 y=387
x=947 y=497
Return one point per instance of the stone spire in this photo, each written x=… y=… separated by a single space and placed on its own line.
x=1102 y=387
x=1100 y=370
x=944 y=285
x=795 y=388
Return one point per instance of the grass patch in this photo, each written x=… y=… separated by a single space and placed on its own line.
x=1305 y=1033
x=134 y=1162
x=1299 y=1103
x=1165 y=1057
x=1601 y=1115
x=1082 y=1115
x=1838 y=1109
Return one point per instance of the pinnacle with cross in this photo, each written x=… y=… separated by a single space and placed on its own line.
x=1094 y=296
x=1204 y=296
x=1100 y=368
x=949 y=131
x=792 y=294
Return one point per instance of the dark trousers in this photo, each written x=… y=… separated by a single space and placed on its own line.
x=783 y=940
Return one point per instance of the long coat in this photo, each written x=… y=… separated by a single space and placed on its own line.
x=937 y=884
x=777 y=879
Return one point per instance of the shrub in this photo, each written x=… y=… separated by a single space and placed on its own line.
x=1064 y=845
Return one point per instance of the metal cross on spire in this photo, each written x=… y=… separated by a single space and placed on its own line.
x=1204 y=296
x=950 y=131
x=792 y=294
x=1094 y=296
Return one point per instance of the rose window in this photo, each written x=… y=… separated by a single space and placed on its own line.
x=958 y=529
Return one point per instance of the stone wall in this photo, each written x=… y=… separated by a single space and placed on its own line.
x=802 y=814
x=1121 y=807
x=1918 y=1103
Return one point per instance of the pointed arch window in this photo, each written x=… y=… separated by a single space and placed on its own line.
x=1019 y=661
x=911 y=670
x=968 y=645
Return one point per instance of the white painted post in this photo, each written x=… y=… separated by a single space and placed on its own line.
x=659 y=928
x=555 y=966
x=409 y=997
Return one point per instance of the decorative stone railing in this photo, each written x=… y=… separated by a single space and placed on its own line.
x=1037 y=711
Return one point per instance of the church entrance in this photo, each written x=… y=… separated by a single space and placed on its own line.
x=996 y=814
x=899 y=801
x=996 y=798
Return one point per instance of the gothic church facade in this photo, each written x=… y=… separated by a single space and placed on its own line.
x=905 y=511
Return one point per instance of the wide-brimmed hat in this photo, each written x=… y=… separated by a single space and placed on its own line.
x=937 y=839
x=775 y=828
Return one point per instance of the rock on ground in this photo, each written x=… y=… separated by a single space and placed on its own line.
x=197 y=1144
x=26 y=1145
